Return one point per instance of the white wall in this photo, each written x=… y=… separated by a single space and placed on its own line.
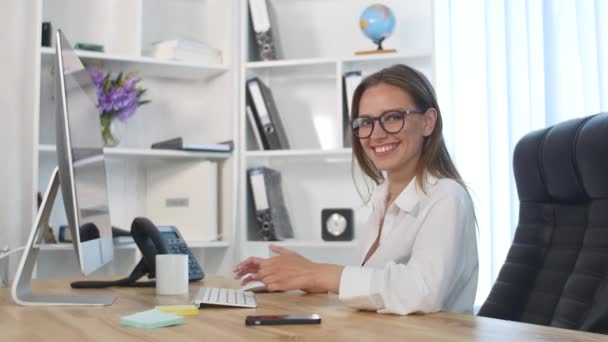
x=18 y=105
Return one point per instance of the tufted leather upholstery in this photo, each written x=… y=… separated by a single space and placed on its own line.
x=556 y=271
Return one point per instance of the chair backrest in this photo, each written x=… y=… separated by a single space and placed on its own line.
x=556 y=271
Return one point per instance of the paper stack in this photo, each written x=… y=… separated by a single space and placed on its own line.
x=185 y=50
x=151 y=319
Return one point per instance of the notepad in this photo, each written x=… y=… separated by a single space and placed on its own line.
x=151 y=319
x=183 y=310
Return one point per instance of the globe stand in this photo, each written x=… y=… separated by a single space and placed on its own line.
x=379 y=50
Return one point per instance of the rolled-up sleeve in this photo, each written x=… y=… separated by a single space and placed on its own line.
x=437 y=265
x=356 y=288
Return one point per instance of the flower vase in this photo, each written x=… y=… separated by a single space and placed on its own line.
x=112 y=131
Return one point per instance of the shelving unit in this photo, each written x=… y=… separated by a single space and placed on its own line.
x=306 y=82
x=187 y=99
x=205 y=103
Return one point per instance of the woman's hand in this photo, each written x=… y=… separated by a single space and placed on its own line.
x=289 y=271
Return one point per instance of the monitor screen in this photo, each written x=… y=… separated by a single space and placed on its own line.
x=80 y=156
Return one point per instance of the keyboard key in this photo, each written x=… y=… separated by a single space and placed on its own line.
x=201 y=293
x=241 y=298
x=222 y=296
x=249 y=298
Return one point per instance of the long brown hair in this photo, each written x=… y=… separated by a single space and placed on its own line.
x=435 y=158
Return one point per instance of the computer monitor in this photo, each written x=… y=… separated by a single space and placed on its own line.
x=81 y=174
x=82 y=170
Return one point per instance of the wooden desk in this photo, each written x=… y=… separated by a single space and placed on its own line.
x=228 y=324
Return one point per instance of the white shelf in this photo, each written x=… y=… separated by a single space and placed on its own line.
x=149 y=154
x=344 y=155
x=404 y=56
x=64 y=246
x=399 y=56
x=145 y=65
x=126 y=246
x=290 y=63
x=305 y=244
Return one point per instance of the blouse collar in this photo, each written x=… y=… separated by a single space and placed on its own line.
x=407 y=199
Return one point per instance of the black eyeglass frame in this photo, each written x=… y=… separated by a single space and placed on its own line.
x=402 y=113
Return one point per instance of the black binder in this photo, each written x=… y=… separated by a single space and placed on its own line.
x=269 y=207
x=268 y=122
x=350 y=81
x=260 y=21
x=254 y=128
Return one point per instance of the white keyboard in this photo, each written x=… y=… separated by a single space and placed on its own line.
x=224 y=297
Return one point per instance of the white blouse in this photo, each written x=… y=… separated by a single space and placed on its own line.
x=427 y=257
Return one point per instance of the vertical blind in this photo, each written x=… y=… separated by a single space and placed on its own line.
x=505 y=68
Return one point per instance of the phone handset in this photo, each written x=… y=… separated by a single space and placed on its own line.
x=150 y=242
x=148 y=239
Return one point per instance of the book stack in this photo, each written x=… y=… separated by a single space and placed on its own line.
x=184 y=50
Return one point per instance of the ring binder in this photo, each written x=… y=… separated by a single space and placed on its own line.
x=254 y=128
x=350 y=81
x=267 y=120
x=262 y=29
x=269 y=206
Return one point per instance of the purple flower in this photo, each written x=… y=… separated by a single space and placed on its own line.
x=97 y=75
x=118 y=97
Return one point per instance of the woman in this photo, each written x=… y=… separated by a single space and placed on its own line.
x=421 y=253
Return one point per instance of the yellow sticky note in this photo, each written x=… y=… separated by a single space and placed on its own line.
x=184 y=310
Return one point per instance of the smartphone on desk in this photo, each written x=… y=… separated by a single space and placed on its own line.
x=282 y=319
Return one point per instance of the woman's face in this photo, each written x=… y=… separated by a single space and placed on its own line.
x=398 y=152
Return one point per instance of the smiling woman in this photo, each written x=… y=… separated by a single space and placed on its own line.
x=421 y=251
x=408 y=91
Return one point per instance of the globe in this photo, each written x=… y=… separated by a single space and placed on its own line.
x=377 y=23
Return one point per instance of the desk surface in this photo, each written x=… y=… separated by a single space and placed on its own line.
x=228 y=324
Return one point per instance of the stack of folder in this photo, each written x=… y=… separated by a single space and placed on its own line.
x=178 y=144
x=185 y=50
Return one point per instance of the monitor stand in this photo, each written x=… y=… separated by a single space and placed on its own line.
x=22 y=287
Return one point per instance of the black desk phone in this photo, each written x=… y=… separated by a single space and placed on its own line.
x=176 y=245
x=151 y=240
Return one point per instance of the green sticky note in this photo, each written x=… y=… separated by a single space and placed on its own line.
x=151 y=319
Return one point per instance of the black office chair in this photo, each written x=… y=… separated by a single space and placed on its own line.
x=556 y=271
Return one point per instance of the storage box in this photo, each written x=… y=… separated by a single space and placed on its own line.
x=184 y=195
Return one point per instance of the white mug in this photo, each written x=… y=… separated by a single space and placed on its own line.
x=171 y=274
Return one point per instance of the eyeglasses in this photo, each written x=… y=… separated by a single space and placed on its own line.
x=391 y=122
